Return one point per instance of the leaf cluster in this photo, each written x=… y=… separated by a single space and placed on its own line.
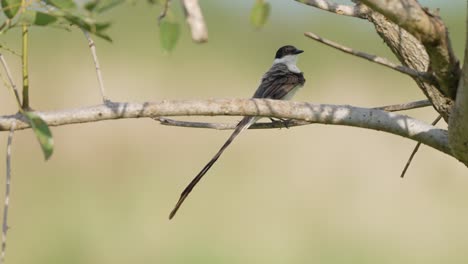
x=58 y=13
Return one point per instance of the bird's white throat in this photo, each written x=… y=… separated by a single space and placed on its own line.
x=290 y=62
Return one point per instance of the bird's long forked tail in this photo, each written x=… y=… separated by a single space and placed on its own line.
x=245 y=123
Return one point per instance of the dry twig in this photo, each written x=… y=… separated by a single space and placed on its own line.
x=5 y=226
x=358 y=11
x=405 y=106
x=416 y=148
x=10 y=79
x=195 y=20
x=164 y=11
x=92 y=47
x=373 y=58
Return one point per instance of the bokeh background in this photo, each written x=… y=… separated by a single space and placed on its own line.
x=312 y=194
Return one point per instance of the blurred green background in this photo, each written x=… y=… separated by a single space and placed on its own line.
x=312 y=194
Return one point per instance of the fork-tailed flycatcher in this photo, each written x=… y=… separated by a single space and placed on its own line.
x=280 y=82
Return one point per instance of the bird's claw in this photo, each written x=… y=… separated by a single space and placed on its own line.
x=283 y=121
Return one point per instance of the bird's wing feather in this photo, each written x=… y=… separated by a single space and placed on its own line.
x=278 y=82
x=245 y=123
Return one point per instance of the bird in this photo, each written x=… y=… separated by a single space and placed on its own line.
x=280 y=82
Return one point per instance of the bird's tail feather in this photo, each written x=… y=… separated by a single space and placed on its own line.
x=245 y=123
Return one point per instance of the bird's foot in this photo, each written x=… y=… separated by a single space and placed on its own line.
x=283 y=121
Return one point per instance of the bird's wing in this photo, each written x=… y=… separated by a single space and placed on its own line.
x=278 y=82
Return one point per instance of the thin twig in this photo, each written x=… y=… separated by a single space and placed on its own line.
x=229 y=126
x=279 y=124
x=4 y=47
x=25 y=66
x=10 y=79
x=355 y=11
x=373 y=58
x=7 y=193
x=405 y=106
x=164 y=11
x=195 y=20
x=92 y=47
x=416 y=148
x=5 y=24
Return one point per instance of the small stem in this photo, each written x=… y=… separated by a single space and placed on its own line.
x=25 y=67
x=426 y=76
x=164 y=11
x=92 y=47
x=404 y=106
x=355 y=11
x=7 y=193
x=12 y=84
x=416 y=148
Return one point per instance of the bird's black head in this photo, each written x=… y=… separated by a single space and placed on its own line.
x=287 y=50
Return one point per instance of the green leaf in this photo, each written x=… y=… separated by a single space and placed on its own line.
x=43 y=134
x=259 y=14
x=91 y=5
x=96 y=28
x=11 y=7
x=100 y=6
x=62 y=4
x=43 y=19
x=156 y=2
x=169 y=33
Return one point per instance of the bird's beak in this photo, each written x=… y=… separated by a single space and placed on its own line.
x=298 y=51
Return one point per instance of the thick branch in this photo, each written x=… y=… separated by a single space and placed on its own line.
x=430 y=30
x=354 y=11
x=230 y=126
x=409 y=15
x=280 y=124
x=314 y=113
x=413 y=54
x=458 y=123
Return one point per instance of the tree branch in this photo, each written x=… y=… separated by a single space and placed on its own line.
x=25 y=66
x=430 y=30
x=373 y=58
x=163 y=11
x=458 y=122
x=92 y=47
x=415 y=150
x=410 y=52
x=409 y=15
x=355 y=11
x=404 y=106
x=229 y=126
x=10 y=80
x=6 y=204
x=314 y=113
x=195 y=20
x=279 y=124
